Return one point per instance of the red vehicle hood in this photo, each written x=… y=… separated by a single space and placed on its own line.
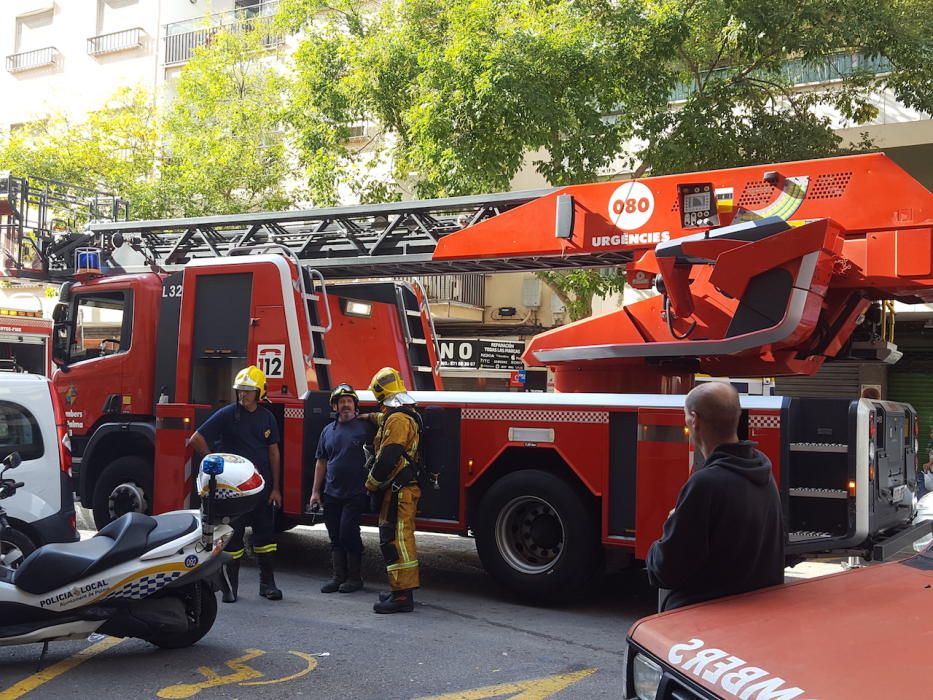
x=862 y=633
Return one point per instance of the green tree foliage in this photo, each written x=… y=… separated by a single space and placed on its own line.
x=114 y=149
x=736 y=64
x=462 y=91
x=225 y=132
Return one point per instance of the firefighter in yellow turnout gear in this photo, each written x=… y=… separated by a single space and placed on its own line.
x=392 y=480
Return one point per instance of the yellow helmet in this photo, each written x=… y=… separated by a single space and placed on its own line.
x=251 y=379
x=386 y=383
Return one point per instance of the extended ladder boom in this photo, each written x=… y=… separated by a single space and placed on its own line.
x=388 y=239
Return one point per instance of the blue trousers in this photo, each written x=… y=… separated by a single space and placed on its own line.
x=342 y=519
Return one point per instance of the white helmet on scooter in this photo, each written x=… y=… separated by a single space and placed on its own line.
x=238 y=488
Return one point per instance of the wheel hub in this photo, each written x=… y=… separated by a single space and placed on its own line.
x=546 y=532
x=530 y=535
x=11 y=556
x=127 y=498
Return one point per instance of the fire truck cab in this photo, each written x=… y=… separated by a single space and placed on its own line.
x=128 y=344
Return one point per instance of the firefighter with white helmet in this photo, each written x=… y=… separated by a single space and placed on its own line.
x=393 y=482
x=247 y=429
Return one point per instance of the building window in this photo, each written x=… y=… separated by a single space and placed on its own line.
x=33 y=42
x=34 y=31
x=110 y=15
x=114 y=29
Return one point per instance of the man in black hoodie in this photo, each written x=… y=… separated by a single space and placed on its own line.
x=726 y=533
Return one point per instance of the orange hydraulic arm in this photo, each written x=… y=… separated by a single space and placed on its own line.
x=762 y=271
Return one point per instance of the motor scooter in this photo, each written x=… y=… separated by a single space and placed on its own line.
x=153 y=578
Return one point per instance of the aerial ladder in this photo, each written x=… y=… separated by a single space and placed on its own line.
x=759 y=271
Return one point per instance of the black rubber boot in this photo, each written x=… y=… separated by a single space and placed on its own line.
x=399 y=601
x=267 y=587
x=338 y=559
x=354 y=579
x=230 y=580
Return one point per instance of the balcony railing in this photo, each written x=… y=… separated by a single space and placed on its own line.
x=182 y=38
x=798 y=72
x=116 y=41
x=27 y=60
x=466 y=288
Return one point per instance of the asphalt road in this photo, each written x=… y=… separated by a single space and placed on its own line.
x=466 y=639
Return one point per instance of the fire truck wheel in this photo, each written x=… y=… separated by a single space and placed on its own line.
x=125 y=486
x=536 y=535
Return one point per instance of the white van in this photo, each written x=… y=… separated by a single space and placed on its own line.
x=32 y=423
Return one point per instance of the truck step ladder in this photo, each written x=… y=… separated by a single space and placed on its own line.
x=415 y=303
x=319 y=354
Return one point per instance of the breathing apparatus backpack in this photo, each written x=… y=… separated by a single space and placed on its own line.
x=422 y=473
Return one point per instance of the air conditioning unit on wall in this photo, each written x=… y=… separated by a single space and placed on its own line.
x=531 y=293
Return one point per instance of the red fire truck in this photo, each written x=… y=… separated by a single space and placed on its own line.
x=760 y=271
x=25 y=341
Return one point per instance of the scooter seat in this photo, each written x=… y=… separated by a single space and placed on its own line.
x=56 y=565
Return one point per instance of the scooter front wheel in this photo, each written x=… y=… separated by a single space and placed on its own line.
x=14 y=548
x=199 y=623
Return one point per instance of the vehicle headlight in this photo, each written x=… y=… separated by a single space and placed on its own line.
x=646 y=675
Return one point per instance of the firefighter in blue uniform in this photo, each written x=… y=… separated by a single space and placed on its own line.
x=338 y=487
x=247 y=429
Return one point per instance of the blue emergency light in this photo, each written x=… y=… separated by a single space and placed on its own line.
x=212 y=465
x=87 y=260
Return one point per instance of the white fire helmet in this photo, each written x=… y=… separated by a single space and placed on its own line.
x=239 y=484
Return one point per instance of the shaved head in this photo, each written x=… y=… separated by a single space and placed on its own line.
x=716 y=408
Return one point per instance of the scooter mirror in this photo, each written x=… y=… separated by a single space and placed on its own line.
x=12 y=460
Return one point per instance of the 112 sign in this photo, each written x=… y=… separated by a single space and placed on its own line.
x=271 y=360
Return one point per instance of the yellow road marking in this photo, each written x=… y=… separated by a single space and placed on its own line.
x=312 y=664
x=27 y=685
x=241 y=672
x=531 y=689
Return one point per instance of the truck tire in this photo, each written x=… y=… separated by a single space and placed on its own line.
x=536 y=535
x=14 y=548
x=125 y=486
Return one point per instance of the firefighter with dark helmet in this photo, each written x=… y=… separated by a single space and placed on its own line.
x=393 y=481
x=247 y=429
x=338 y=486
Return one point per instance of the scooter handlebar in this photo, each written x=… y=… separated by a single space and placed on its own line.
x=8 y=487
